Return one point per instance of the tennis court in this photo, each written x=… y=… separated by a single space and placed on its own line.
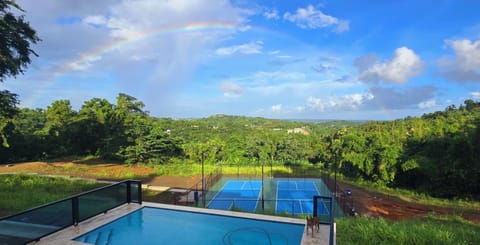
x=296 y=197
x=281 y=195
x=243 y=195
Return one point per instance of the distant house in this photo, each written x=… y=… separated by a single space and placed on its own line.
x=301 y=130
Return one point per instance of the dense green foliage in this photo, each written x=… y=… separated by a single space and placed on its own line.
x=432 y=230
x=16 y=35
x=8 y=109
x=21 y=192
x=438 y=153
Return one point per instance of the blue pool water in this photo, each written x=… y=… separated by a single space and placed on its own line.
x=164 y=226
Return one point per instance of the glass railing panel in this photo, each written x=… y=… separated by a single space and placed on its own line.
x=97 y=202
x=323 y=210
x=36 y=223
x=134 y=187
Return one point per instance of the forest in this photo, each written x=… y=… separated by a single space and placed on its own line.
x=437 y=153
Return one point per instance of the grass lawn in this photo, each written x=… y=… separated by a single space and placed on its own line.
x=19 y=192
x=429 y=230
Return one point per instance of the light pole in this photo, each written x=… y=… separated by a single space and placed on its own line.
x=335 y=187
x=203 y=179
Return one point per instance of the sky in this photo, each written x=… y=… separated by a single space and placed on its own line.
x=337 y=59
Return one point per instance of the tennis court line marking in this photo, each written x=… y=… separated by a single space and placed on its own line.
x=296 y=200
x=223 y=188
x=276 y=198
x=214 y=197
x=232 y=200
x=301 y=208
x=258 y=198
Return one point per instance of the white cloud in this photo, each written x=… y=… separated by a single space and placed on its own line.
x=248 y=48
x=475 y=95
x=404 y=65
x=277 y=108
x=271 y=14
x=300 y=108
x=245 y=28
x=266 y=77
x=466 y=64
x=274 y=52
x=311 y=18
x=346 y=102
x=95 y=20
x=427 y=104
x=231 y=89
x=149 y=48
x=343 y=26
x=468 y=53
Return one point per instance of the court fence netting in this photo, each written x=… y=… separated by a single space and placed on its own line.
x=267 y=201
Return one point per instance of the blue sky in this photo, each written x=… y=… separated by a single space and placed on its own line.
x=341 y=59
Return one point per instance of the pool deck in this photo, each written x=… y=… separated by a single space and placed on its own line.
x=65 y=236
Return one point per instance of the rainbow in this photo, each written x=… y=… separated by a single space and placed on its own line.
x=97 y=53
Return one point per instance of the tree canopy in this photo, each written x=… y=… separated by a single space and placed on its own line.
x=16 y=36
x=438 y=153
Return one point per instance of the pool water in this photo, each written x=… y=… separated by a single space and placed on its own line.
x=165 y=226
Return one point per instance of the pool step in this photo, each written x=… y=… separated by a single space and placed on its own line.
x=98 y=238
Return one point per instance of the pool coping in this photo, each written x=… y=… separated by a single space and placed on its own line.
x=66 y=236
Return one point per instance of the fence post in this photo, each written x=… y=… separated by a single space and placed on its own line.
x=293 y=208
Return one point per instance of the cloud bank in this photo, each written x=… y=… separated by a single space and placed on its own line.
x=404 y=65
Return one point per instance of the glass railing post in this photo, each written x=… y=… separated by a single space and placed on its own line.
x=75 y=216
x=139 y=192
x=129 y=192
x=332 y=210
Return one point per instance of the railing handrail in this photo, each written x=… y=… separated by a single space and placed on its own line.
x=68 y=198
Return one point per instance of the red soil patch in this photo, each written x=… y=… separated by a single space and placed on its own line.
x=374 y=204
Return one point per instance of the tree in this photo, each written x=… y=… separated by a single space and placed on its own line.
x=8 y=109
x=16 y=35
x=59 y=117
x=156 y=147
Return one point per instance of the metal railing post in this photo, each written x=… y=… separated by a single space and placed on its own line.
x=129 y=192
x=140 y=192
x=75 y=211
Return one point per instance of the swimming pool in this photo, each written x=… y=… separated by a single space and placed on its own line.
x=165 y=226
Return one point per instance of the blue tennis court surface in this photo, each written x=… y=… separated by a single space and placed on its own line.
x=240 y=194
x=296 y=197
